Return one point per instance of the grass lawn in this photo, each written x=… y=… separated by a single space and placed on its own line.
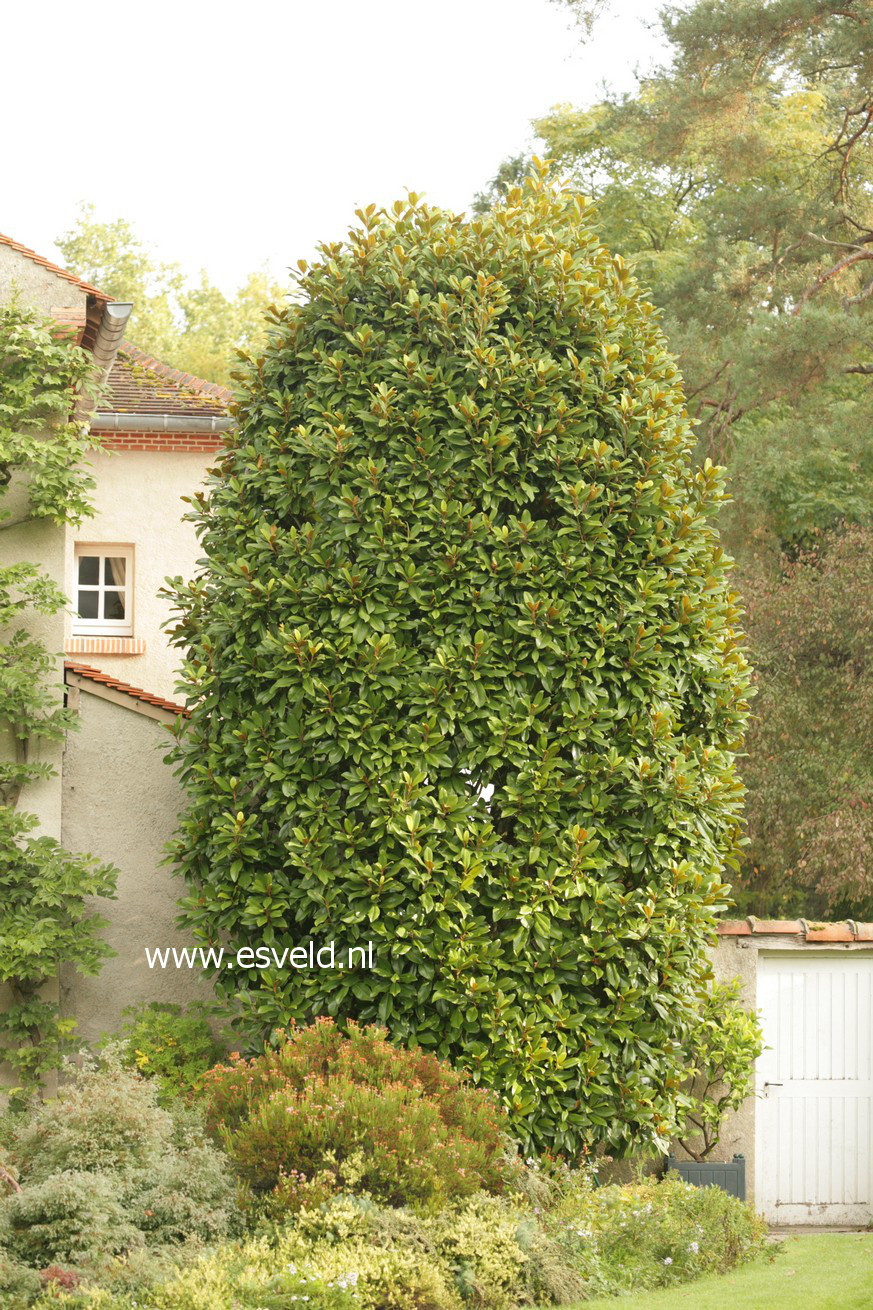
x=826 y=1271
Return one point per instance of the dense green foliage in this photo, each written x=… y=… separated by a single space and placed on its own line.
x=463 y=666
x=326 y=1113
x=738 y=181
x=43 y=888
x=494 y=1253
x=174 y=1046
x=190 y=324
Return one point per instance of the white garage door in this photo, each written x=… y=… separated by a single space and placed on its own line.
x=814 y=1163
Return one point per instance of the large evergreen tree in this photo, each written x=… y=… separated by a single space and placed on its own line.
x=463 y=667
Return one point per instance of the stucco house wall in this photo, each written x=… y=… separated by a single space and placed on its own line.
x=120 y=802
x=138 y=502
x=38 y=285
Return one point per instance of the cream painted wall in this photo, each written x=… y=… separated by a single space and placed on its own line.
x=120 y=802
x=138 y=502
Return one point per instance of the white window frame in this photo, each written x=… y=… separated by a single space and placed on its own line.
x=100 y=626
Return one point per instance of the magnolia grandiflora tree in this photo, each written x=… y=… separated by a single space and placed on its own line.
x=464 y=669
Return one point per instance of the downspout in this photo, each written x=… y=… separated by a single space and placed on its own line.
x=110 y=332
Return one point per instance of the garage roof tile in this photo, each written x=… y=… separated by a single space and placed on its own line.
x=811 y=931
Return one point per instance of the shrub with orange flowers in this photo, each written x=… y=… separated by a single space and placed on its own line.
x=326 y=1112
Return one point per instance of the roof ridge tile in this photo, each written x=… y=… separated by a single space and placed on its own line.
x=53 y=268
x=813 y=930
x=137 y=693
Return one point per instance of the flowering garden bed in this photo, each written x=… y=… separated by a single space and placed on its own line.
x=333 y=1171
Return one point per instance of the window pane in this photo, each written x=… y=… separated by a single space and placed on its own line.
x=88 y=604
x=114 y=571
x=89 y=569
x=113 y=605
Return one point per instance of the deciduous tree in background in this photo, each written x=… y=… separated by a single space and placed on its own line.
x=810 y=764
x=464 y=670
x=739 y=182
x=190 y=324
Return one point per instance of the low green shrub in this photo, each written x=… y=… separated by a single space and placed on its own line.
x=472 y=1246
x=187 y=1194
x=651 y=1234
x=18 y=1284
x=499 y=1252
x=388 y=1142
x=327 y=1112
x=118 y=1280
x=75 y=1217
x=104 y=1171
x=171 y=1045
x=257 y=1275
x=104 y=1118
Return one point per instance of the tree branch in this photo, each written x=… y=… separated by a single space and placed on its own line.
x=855 y=258
x=862 y=295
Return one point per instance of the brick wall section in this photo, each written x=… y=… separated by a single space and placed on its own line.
x=169 y=442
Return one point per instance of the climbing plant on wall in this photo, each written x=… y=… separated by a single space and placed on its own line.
x=43 y=922
x=464 y=668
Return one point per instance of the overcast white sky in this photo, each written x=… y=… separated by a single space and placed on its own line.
x=234 y=134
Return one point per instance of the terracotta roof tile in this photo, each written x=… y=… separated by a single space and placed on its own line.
x=53 y=268
x=97 y=675
x=830 y=932
x=139 y=384
x=847 y=931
